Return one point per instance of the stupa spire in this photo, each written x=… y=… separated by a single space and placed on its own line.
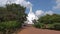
x=30 y=9
x=8 y=2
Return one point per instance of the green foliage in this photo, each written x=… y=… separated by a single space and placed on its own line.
x=49 y=21
x=9 y=25
x=11 y=17
x=39 y=25
x=57 y=26
x=50 y=26
x=13 y=12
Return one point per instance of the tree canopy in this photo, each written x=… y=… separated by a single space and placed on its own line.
x=50 y=18
x=11 y=17
x=49 y=21
x=13 y=12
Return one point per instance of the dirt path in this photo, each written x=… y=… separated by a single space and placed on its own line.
x=32 y=30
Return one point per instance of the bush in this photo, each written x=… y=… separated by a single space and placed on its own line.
x=50 y=26
x=39 y=25
x=9 y=26
x=54 y=26
x=57 y=26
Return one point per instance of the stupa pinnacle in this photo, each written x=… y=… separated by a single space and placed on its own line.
x=31 y=16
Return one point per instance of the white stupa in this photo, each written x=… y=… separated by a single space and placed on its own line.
x=31 y=16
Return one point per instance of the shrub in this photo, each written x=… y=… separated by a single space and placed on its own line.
x=57 y=26
x=39 y=25
x=54 y=26
x=50 y=26
x=9 y=26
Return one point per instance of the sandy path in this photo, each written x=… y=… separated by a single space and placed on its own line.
x=32 y=30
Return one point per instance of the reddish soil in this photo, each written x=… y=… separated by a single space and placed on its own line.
x=33 y=30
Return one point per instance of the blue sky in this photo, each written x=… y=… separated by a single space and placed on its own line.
x=44 y=5
x=39 y=6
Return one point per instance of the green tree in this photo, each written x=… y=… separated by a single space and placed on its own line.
x=50 y=21
x=11 y=17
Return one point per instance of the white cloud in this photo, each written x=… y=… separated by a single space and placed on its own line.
x=57 y=1
x=57 y=5
x=39 y=13
x=49 y=12
x=21 y=2
x=3 y=2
